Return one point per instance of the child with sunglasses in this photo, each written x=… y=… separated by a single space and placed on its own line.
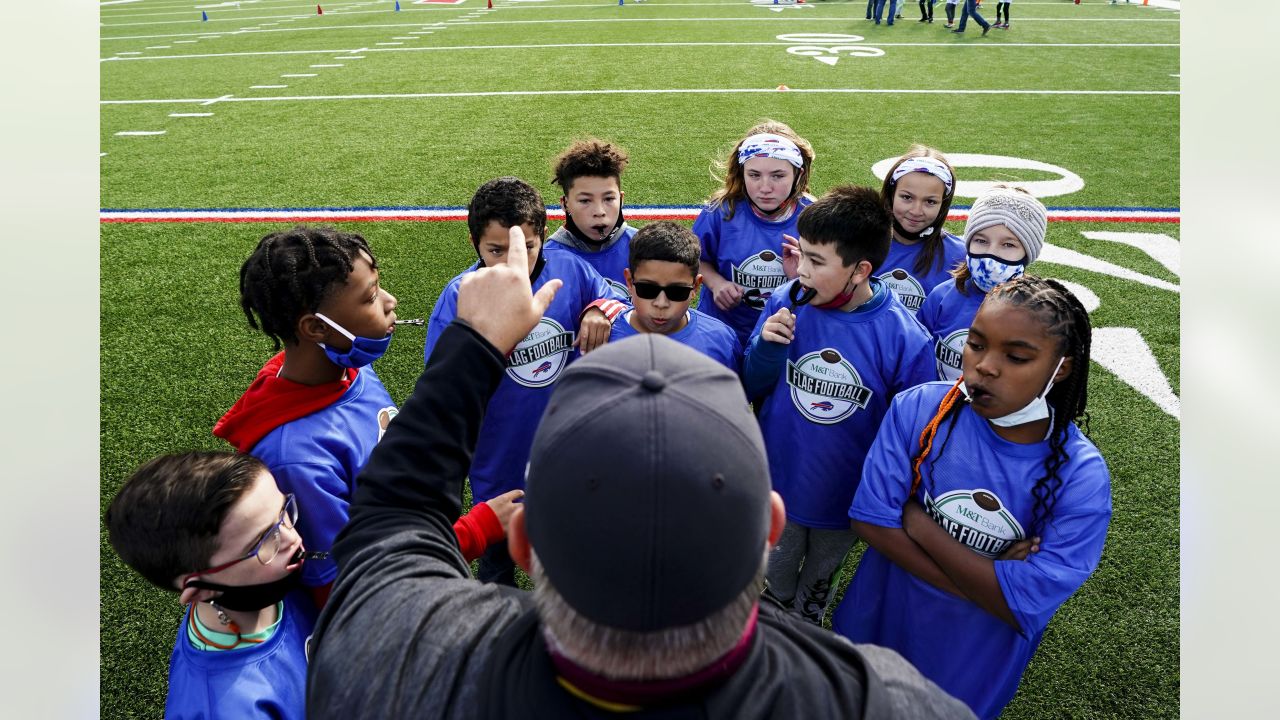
x=831 y=349
x=213 y=528
x=662 y=276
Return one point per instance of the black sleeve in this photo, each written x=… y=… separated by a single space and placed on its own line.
x=407 y=631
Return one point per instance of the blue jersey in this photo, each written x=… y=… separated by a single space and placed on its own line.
x=745 y=250
x=832 y=386
x=980 y=490
x=704 y=334
x=267 y=680
x=506 y=434
x=609 y=262
x=898 y=270
x=317 y=458
x=947 y=314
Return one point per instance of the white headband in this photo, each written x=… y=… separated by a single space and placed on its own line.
x=925 y=165
x=768 y=145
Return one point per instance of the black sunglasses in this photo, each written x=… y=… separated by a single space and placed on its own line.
x=646 y=290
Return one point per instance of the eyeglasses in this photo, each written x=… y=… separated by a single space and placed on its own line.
x=268 y=547
x=646 y=290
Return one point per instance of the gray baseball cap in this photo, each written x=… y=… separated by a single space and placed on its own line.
x=647 y=499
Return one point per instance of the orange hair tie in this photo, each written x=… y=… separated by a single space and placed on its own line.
x=931 y=430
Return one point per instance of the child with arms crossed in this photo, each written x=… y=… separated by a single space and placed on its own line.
x=984 y=505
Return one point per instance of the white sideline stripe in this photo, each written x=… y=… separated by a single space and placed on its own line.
x=158 y=47
x=132 y=52
x=671 y=91
x=184 y=42
x=267 y=87
x=642 y=44
x=348 y=57
x=298 y=75
x=404 y=38
x=389 y=43
x=190 y=114
x=211 y=101
x=328 y=65
x=141 y=132
x=282 y=18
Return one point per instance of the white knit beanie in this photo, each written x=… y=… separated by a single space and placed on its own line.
x=1020 y=212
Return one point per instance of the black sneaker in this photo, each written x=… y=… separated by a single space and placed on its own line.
x=957 y=31
x=986 y=30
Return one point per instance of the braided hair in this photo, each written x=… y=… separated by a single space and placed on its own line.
x=1066 y=319
x=291 y=272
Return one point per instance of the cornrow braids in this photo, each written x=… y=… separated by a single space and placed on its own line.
x=291 y=272
x=1066 y=319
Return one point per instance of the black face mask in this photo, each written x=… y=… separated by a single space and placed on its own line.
x=248 y=598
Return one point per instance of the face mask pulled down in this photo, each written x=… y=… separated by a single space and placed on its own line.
x=363 y=350
x=1037 y=409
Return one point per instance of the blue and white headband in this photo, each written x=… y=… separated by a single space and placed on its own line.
x=768 y=145
x=925 y=165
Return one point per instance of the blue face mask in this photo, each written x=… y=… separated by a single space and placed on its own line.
x=988 y=271
x=363 y=350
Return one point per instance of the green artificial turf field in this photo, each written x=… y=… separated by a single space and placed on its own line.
x=366 y=107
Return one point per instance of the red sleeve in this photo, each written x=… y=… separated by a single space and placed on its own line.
x=477 y=530
x=610 y=307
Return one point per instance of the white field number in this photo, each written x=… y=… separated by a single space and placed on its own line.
x=828 y=48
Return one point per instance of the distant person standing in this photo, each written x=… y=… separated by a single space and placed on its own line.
x=971 y=10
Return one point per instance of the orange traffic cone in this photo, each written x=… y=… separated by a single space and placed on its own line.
x=490 y=4
x=319 y=10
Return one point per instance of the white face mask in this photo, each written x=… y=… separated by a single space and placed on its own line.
x=1037 y=409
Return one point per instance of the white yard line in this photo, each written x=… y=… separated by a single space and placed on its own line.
x=535 y=46
x=190 y=114
x=130 y=133
x=654 y=91
x=267 y=87
x=292 y=75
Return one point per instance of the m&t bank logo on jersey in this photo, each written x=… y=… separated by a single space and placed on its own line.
x=977 y=519
x=948 y=352
x=825 y=388
x=760 y=274
x=909 y=290
x=539 y=358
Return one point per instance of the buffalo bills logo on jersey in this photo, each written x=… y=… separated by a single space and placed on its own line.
x=539 y=358
x=825 y=387
x=385 y=416
x=621 y=288
x=907 y=289
x=759 y=274
x=977 y=519
x=948 y=352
